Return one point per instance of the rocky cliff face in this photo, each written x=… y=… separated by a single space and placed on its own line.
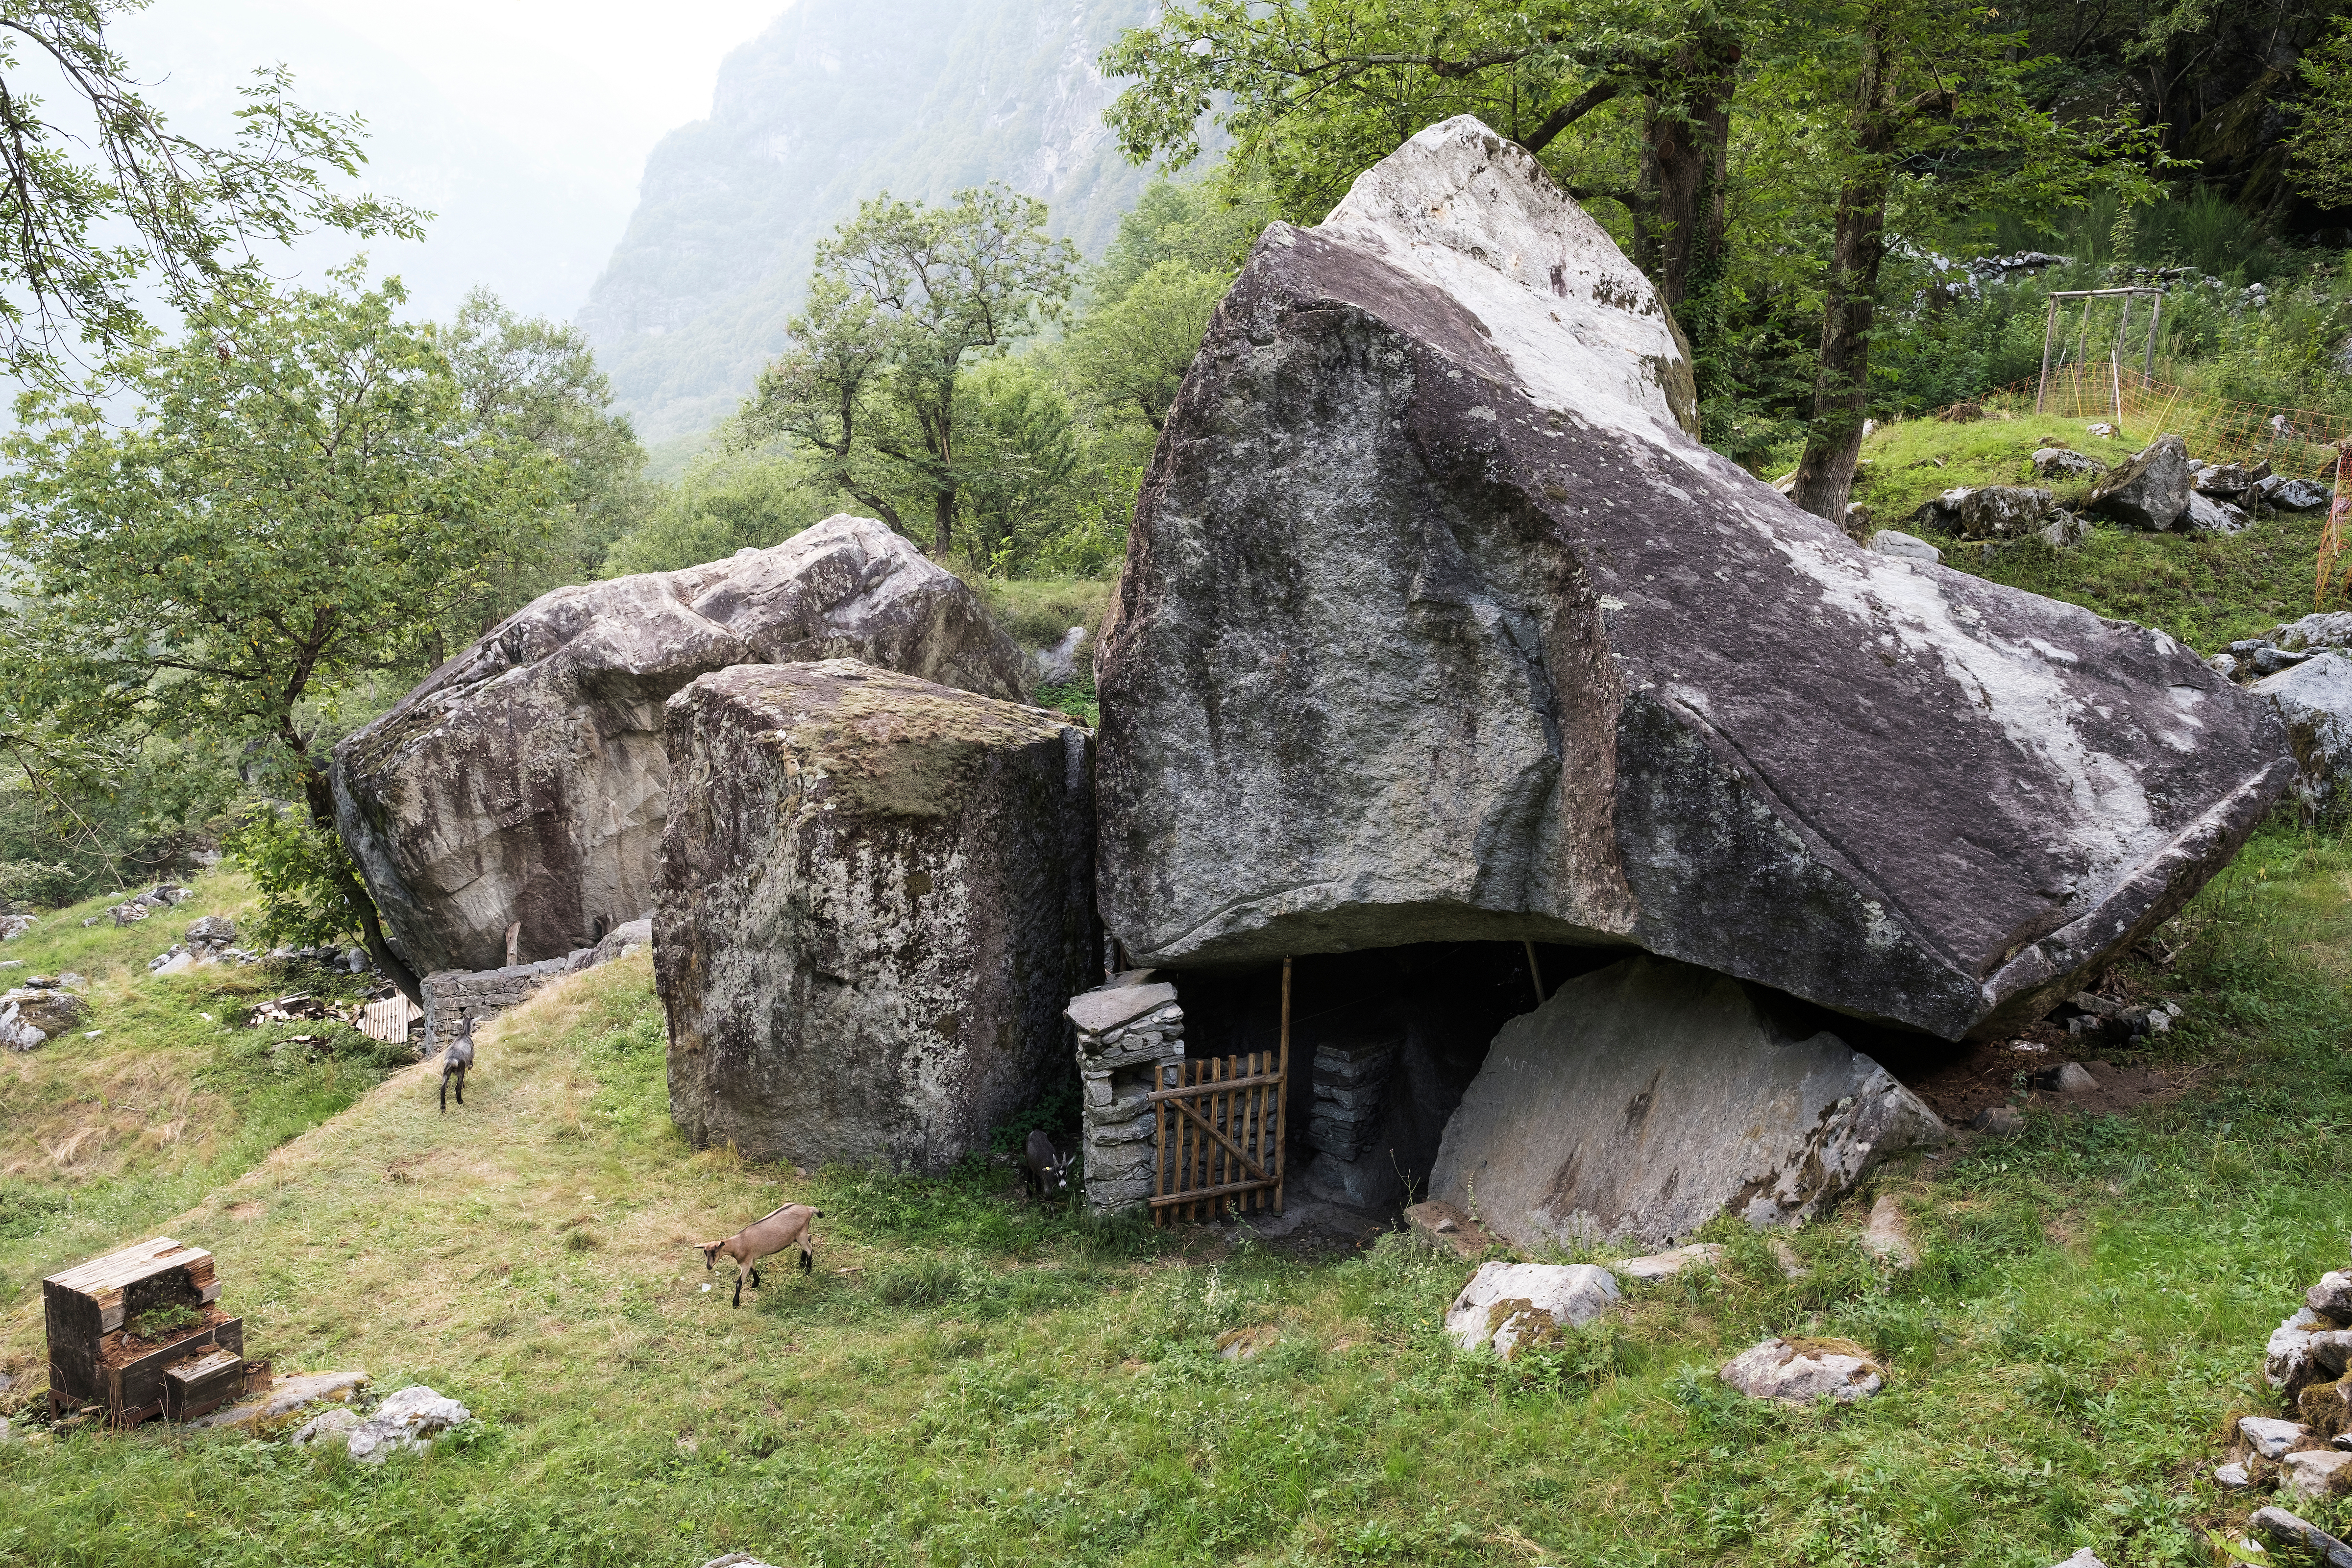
x=1437 y=624
x=525 y=780
x=838 y=102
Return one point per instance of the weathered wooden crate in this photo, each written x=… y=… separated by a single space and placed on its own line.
x=94 y=1359
x=203 y=1383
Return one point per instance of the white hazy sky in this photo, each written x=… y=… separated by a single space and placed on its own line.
x=523 y=123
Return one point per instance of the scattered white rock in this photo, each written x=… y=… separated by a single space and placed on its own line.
x=2000 y=1122
x=2233 y=1477
x=339 y=1423
x=2082 y=1559
x=2073 y=1077
x=1885 y=1236
x=1058 y=665
x=2271 y=1436
x=1803 y=1371
x=2289 y=1352
x=1891 y=542
x=406 y=1419
x=2314 y=1473
x=737 y=1560
x=1671 y=1262
x=1507 y=1305
x=2332 y=1296
x=2059 y=463
x=2281 y=1526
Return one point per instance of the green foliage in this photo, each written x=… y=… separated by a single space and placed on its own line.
x=727 y=500
x=1131 y=351
x=81 y=237
x=536 y=380
x=157 y=1323
x=2320 y=146
x=904 y=300
x=301 y=872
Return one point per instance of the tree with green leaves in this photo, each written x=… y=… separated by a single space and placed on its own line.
x=298 y=506
x=1316 y=91
x=904 y=299
x=1131 y=353
x=100 y=199
x=537 y=379
x=2320 y=146
x=1937 y=122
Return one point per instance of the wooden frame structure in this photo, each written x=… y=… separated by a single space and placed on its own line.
x=96 y=1358
x=1217 y=1134
x=2083 y=343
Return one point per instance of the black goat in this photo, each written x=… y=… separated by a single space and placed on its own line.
x=1046 y=1170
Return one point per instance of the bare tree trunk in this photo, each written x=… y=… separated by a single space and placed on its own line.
x=1678 y=209
x=1850 y=306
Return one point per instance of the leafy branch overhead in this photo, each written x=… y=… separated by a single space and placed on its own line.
x=97 y=192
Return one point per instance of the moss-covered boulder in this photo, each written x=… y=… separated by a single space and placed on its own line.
x=874 y=898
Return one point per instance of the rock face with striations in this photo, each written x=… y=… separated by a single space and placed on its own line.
x=2151 y=491
x=872 y=909
x=1437 y=622
x=525 y=779
x=1645 y=1099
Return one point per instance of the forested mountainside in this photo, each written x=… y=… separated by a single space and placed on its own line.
x=839 y=99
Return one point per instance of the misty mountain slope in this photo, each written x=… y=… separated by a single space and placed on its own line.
x=838 y=100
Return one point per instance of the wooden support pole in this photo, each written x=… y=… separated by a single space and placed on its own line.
x=2155 y=314
x=1282 y=1106
x=1534 y=972
x=514 y=944
x=2049 y=325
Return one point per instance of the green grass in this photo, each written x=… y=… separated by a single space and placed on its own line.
x=173 y=1097
x=1035 y=611
x=2207 y=592
x=967 y=1379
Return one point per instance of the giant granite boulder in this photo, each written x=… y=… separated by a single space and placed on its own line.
x=873 y=906
x=2314 y=699
x=525 y=780
x=1643 y=1100
x=1437 y=622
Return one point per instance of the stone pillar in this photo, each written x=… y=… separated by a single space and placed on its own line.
x=1131 y=1041
x=1351 y=1081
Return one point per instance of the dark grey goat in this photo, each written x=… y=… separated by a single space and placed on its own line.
x=1046 y=1170
x=456 y=1060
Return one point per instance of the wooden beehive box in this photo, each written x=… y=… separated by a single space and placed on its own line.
x=97 y=1356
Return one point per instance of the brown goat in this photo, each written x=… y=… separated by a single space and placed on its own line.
x=788 y=1227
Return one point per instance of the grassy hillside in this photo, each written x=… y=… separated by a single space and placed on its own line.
x=2207 y=592
x=968 y=1380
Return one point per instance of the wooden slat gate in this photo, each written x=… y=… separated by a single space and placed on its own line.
x=1217 y=1134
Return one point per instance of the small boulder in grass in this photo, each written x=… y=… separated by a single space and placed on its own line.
x=2082 y=1559
x=407 y=1419
x=1802 y=1371
x=2288 y=1363
x=2332 y=1296
x=2317 y=1473
x=2272 y=1438
x=1512 y=1305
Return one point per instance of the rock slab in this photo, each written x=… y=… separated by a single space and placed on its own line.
x=1509 y=1306
x=2151 y=491
x=1437 y=622
x=1801 y=1371
x=525 y=780
x=1645 y=1099
x=872 y=910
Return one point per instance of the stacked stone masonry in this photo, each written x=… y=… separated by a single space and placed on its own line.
x=486 y=992
x=1349 y=1082
x=1131 y=1041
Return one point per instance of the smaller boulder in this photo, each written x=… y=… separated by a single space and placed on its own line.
x=2064 y=529
x=1885 y=1236
x=2287 y=1363
x=1887 y=542
x=1058 y=665
x=1987 y=512
x=2317 y=1473
x=2059 y=463
x=2332 y=1349
x=2082 y=1559
x=2328 y=628
x=1512 y=1305
x=2232 y=1477
x=410 y=1419
x=2332 y=1296
x=336 y=1425
x=2314 y=699
x=1443 y=1224
x=211 y=931
x=2149 y=492
x=2230 y=480
x=1667 y=1264
x=1800 y=1372
x=2299 y=495
x=1999 y=1121
x=625 y=939
x=44 y=1008
x=2206 y=515
x=2272 y=1438
x=2102 y=432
